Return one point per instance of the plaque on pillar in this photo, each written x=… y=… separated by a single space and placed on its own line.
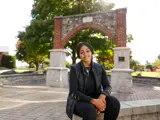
x=121 y=59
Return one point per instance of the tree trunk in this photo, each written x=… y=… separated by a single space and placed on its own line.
x=73 y=60
x=36 y=66
x=73 y=57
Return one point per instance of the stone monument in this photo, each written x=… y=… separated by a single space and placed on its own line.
x=111 y=23
x=121 y=76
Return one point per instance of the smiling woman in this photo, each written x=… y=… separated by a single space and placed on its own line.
x=90 y=88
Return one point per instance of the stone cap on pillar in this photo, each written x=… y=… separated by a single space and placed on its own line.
x=122 y=70
x=58 y=50
x=121 y=57
x=121 y=48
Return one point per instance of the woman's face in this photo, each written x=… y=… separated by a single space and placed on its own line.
x=85 y=54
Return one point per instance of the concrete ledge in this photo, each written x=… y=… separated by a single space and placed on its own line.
x=141 y=109
x=22 y=79
x=57 y=68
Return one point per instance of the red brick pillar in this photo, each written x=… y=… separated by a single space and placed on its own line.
x=121 y=27
x=1 y=54
x=58 y=33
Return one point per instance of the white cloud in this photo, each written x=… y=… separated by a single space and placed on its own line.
x=15 y=15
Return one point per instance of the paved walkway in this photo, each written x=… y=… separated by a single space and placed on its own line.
x=46 y=103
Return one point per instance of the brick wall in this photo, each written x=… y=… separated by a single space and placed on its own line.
x=121 y=28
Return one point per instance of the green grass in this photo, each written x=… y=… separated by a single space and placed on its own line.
x=147 y=74
x=21 y=70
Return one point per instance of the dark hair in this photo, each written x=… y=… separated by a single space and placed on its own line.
x=86 y=44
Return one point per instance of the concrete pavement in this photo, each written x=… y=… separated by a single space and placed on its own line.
x=47 y=103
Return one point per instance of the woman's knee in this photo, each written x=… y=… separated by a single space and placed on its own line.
x=89 y=108
x=113 y=108
x=84 y=108
x=113 y=102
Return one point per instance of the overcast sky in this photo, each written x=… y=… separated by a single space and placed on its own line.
x=142 y=22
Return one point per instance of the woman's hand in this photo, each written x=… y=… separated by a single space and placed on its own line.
x=100 y=105
x=103 y=98
x=98 y=111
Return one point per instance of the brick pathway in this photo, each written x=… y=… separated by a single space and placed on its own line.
x=46 y=103
x=140 y=92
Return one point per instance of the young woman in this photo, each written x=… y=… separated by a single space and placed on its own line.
x=90 y=89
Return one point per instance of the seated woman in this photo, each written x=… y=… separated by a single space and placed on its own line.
x=89 y=88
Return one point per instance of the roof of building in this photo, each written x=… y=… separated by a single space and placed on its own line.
x=4 y=49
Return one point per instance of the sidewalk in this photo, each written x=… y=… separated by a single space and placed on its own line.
x=46 y=103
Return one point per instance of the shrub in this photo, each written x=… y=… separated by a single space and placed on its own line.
x=68 y=65
x=8 y=61
x=150 y=67
x=139 y=74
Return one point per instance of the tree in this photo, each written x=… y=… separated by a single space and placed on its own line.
x=89 y=35
x=129 y=38
x=149 y=66
x=158 y=57
x=48 y=9
x=105 y=54
x=156 y=63
x=134 y=64
x=32 y=50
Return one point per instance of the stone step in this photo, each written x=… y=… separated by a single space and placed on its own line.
x=99 y=117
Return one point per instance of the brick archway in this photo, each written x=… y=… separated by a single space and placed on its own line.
x=107 y=32
x=111 y=23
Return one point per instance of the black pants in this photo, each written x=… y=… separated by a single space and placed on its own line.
x=88 y=111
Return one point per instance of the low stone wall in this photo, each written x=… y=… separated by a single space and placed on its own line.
x=144 y=80
x=147 y=80
x=22 y=79
x=19 y=79
x=140 y=110
x=136 y=110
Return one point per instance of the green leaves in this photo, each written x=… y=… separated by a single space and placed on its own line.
x=129 y=38
x=31 y=49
